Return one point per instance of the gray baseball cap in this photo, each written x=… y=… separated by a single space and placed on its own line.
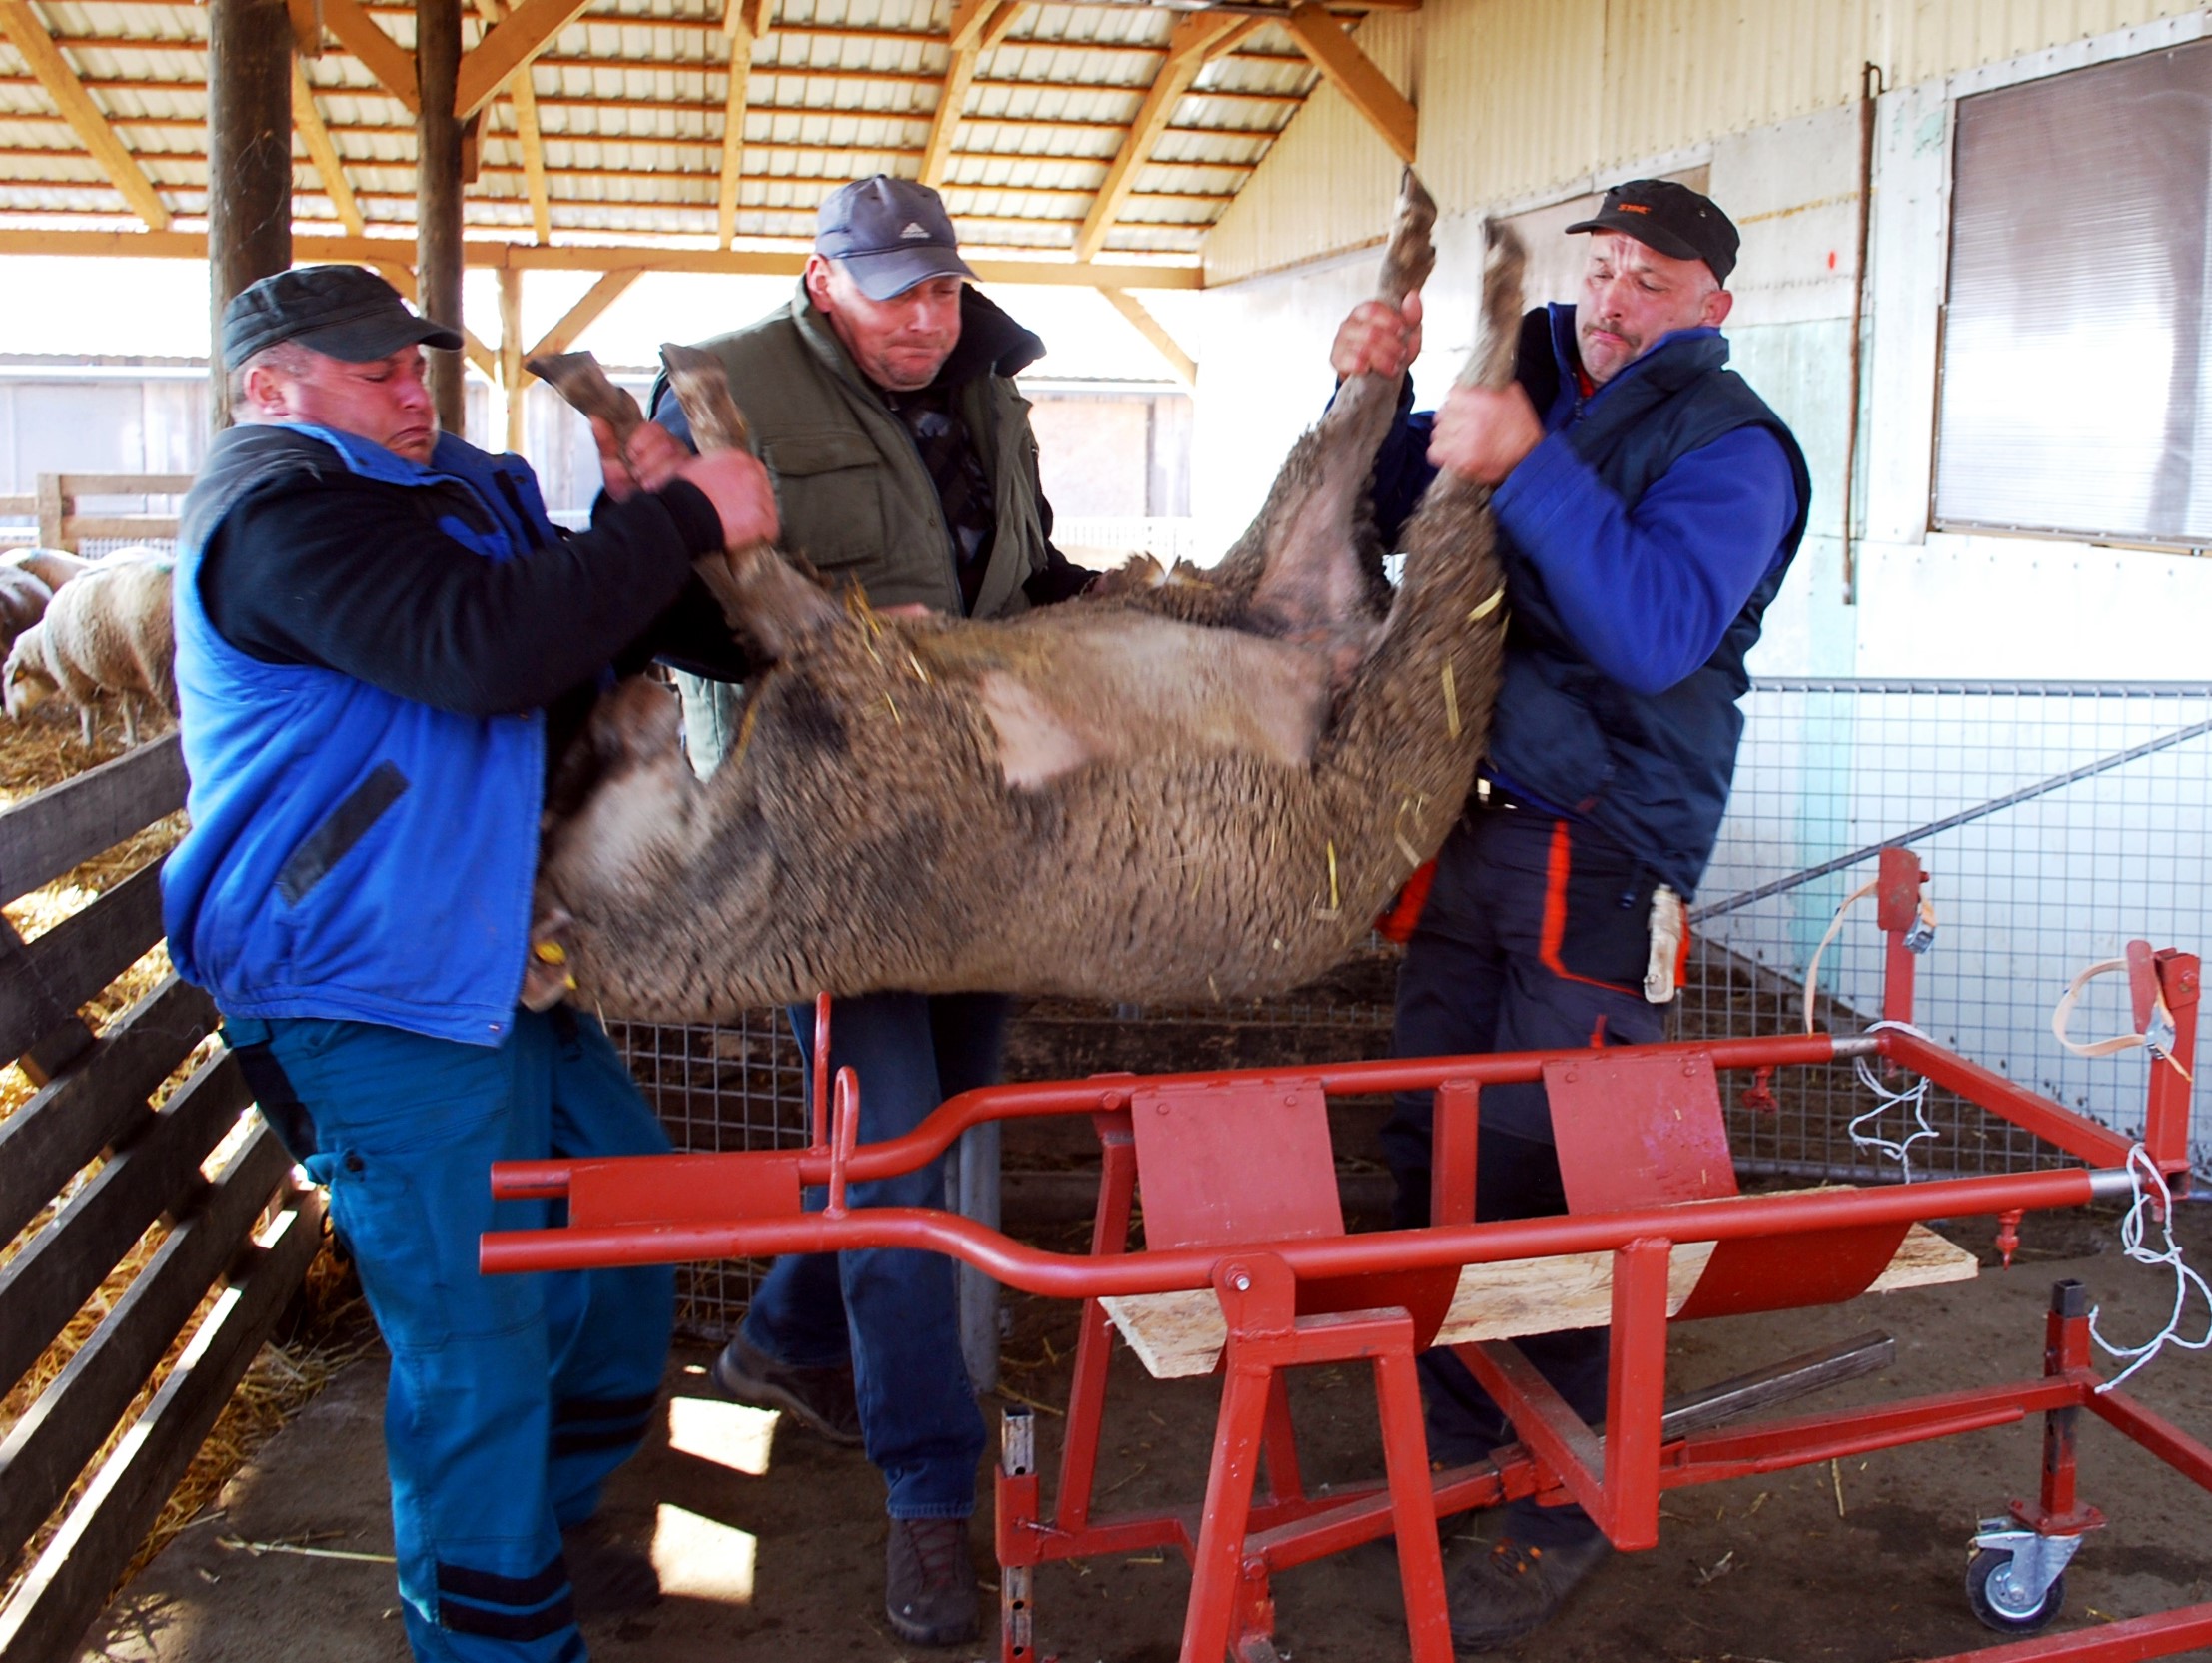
x=890 y=233
x=342 y=312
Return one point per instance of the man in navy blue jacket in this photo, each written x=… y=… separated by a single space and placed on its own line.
x=381 y=641
x=1648 y=505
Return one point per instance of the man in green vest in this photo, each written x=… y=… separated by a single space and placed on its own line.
x=882 y=401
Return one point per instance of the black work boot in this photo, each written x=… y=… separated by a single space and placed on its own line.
x=929 y=1588
x=1499 y=1596
x=818 y=1399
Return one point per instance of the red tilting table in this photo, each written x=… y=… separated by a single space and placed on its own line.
x=1247 y=1268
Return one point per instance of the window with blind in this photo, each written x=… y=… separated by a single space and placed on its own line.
x=2076 y=396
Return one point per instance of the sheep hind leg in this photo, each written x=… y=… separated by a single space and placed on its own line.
x=1311 y=583
x=130 y=723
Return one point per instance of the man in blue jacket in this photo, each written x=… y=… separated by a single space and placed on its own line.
x=380 y=639
x=1648 y=505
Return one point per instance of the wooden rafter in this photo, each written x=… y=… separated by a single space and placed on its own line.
x=508 y=47
x=1003 y=17
x=28 y=34
x=380 y=54
x=524 y=96
x=1194 y=32
x=389 y=254
x=585 y=312
x=1353 y=73
x=512 y=376
x=329 y=165
x=736 y=16
x=1243 y=32
x=964 y=43
x=1184 y=365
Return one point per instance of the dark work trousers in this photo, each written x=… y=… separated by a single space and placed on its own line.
x=1535 y=930
x=891 y=1312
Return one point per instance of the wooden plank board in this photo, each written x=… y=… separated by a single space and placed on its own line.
x=44 y=836
x=63 y=1036
x=44 y=1285
x=67 y=1586
x=49 y=1446
x=78 y=956
x=1177 y=1335
x=99 y=1100
x=126 y=484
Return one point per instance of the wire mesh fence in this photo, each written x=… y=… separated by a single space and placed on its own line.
x=2058 y=820
x=736 y=1086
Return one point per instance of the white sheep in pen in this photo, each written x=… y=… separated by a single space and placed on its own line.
x=106 y=636
x=23 y=601
x=54 y=568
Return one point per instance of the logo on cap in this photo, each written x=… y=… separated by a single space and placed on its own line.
x=914 y=231
x=1633 y=207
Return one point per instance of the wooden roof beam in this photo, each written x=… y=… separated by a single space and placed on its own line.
x=1003 y=17
x=1194 y=32
x=736 y=18
x=585 y=312
x=329 y=165
x=389 y=254
x=963 y=41
x=1184 y=365
x=380 y=54
x=28 y=34
x=509 y=46
x=523 y=95
x=1353 y=73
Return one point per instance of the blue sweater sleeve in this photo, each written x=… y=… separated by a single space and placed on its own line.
x=1650 y=595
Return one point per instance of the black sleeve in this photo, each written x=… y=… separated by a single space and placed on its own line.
x=359 y=577
x=1061 y=580
x=689 y=635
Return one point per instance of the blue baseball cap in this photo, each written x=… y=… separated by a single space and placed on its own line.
x=890 y=233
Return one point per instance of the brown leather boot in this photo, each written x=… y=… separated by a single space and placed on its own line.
x=929 y=1587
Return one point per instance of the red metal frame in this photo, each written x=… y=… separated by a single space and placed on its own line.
x=1284 y=1300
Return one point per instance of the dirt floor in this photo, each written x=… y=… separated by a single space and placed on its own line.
x=770 y=1541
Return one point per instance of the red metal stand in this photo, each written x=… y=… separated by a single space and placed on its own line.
x=1240 y=1200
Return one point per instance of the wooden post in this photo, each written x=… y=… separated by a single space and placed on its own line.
x=438 y=197
x=249 y=162
x=512 y=374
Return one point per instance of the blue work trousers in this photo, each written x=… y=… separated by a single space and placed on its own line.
x=511 y=1397
x=891 y=1312
x=1535 y=932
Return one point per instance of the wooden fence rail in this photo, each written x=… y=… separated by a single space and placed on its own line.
x=60 y=525
x=249 y=1231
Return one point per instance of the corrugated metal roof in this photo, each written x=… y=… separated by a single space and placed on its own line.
x=629 y=111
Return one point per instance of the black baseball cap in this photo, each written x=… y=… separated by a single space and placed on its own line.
x=342 y=312
x=890 y=232
x=1671 y=218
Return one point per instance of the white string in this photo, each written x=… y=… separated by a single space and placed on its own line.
x=2149 y=1182
x=1916 y=1097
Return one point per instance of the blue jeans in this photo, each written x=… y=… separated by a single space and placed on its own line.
x=1531 y=935
x=511 y=1397
x=891 y=1312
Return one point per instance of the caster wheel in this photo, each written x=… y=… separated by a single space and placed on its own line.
x=1999 y=1604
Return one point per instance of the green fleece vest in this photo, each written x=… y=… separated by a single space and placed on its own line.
x=854 y=497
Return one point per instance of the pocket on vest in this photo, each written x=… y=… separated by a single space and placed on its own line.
x=830 y=492
x=344 y=826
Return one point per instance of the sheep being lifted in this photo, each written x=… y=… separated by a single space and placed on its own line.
x=1194 y=785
